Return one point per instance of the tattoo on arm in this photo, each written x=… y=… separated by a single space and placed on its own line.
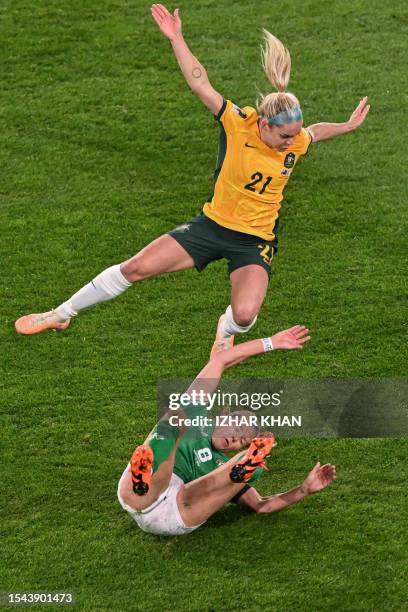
x=196 y=72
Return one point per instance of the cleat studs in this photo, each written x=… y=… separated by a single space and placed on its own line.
x=140 y=488
x=237 y=473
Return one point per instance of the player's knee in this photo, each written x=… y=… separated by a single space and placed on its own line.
x=244 y=314
x=135 y=269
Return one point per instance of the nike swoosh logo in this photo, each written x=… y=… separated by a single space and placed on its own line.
x=250 y=146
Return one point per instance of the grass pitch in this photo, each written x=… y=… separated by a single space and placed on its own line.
x=103 y=149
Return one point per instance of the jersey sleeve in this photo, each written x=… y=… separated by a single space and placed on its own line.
x=231 y=116
x=304 y=140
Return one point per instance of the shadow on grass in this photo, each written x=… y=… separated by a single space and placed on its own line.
x=229 y=516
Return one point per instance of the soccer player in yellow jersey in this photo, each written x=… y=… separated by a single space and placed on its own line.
x=258 y=152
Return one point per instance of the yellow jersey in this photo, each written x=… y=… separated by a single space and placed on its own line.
x=250 y=176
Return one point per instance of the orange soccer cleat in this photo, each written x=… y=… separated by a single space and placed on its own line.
x=221 y=343
x=253 y=459
x=36 y=323
x=141 y=469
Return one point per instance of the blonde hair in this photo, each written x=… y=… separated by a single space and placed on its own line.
x=276 y=63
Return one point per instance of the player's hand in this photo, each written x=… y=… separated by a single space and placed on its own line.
x=293 y=338
x=359 y=115
x=170 y=25
x=319 y=478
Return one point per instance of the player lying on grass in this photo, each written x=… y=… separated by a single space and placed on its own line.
x=257 y=155
x=175 y=482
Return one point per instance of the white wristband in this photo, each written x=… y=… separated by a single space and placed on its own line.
x=267 y=344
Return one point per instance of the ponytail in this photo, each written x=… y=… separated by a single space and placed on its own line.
x=276 y=63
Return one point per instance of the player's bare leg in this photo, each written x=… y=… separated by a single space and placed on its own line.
x=161 y=256
x=248 y=290
x=201 y=498
x=129 y=489
x=249 y=285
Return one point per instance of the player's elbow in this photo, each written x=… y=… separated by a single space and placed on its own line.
x=251 y=500
x=261 y=509
x=268 y=505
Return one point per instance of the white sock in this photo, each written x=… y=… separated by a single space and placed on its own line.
x=230 y=328
x=107 y=285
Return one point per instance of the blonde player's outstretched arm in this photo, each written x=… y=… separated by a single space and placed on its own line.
x=194 y=73
x=325 y=131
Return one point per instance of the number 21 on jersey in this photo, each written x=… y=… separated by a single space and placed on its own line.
x=257 y=178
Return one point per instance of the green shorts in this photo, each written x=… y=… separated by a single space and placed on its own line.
x=206 y=241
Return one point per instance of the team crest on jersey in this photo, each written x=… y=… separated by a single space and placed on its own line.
x=285 y=172
x=182 y=228
x=219 y=462
x=289 y=160
x=239 y=111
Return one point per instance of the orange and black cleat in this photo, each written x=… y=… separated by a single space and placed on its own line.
x=141 y=470
x=253 y=459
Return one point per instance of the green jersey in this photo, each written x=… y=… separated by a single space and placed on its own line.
x=196 y=456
